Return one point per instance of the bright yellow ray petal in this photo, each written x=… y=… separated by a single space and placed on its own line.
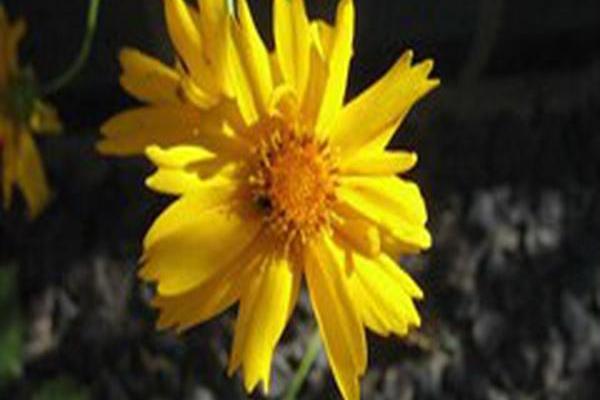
x=188 y=42
x=196 y=94
x=130 y=132
x=211 y=195
x=362 y=235
x=263 y=313
x=173 y=175
x=177 y=156
x=322 y=34
x=340 y=326
x=241 y=86
x=214 y=26
x=284 y=103
x=190 y=244
x=371 y=313
x=275 y=70
x=198 y=305
x=254 y=75
x=407 y=240
x=173 y=181
x=382 y=105
x=397 y=273
x=395 y=205
x=30 y=175
x=313 y=96
x=392 y=194
x=213 y=297
x=148 y=79
x=383 y=294
x=382 y=163
x=340 y=54
x=292 y=42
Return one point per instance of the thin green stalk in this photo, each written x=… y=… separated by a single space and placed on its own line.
x=91 y=25
x=313 y=350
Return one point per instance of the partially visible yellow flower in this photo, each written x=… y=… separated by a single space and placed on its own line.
x=199 y=79
x=21 y=114
x=278 y=180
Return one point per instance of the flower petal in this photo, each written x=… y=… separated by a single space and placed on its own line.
x=382 y=105
x=362 y=235
x=130 y=132
x=254 y=76
x=148 y=79
x=264 y=310
x=339 y=50
x=177 y=156
x=214 y=26
x=313 y=96
x=382 y=163
x=213 y=297
x=188 y=43
x=322 y=34
x=30 y=175
x=196 y=238
x=198 y=305
x=383 y=295
x=394 y=204
x=292 y=42
x=179 y=168
x=339 y=323
x=173 y=181
x=390 y=194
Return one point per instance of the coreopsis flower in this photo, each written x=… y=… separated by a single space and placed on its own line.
x=22 y=114
x=278 y=181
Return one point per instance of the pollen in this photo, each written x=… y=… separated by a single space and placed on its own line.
x=294 y=185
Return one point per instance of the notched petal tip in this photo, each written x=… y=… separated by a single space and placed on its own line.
x=434 y=83
x=427 y=240
x=125 y=56
x=425 y=67
x=154 y=152
x=407 y=57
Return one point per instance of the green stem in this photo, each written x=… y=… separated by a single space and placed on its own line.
x=313 y=350
x=91 y=24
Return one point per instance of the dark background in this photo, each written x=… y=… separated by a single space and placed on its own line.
x=509 y=151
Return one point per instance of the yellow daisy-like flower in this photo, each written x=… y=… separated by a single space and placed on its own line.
x=277 y=179
x=21 y=114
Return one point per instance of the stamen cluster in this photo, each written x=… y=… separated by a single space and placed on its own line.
x=294 y=184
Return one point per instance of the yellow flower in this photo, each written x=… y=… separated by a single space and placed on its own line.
x=21 y=114
x=277 y=180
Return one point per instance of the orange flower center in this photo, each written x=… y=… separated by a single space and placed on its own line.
x=295 y=184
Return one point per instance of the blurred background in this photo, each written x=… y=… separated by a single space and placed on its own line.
x=509 y=151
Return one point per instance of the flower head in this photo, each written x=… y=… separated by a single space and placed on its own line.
x=21 y=114
x=277 y=181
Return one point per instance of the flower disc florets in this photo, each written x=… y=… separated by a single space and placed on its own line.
x=294 y=183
